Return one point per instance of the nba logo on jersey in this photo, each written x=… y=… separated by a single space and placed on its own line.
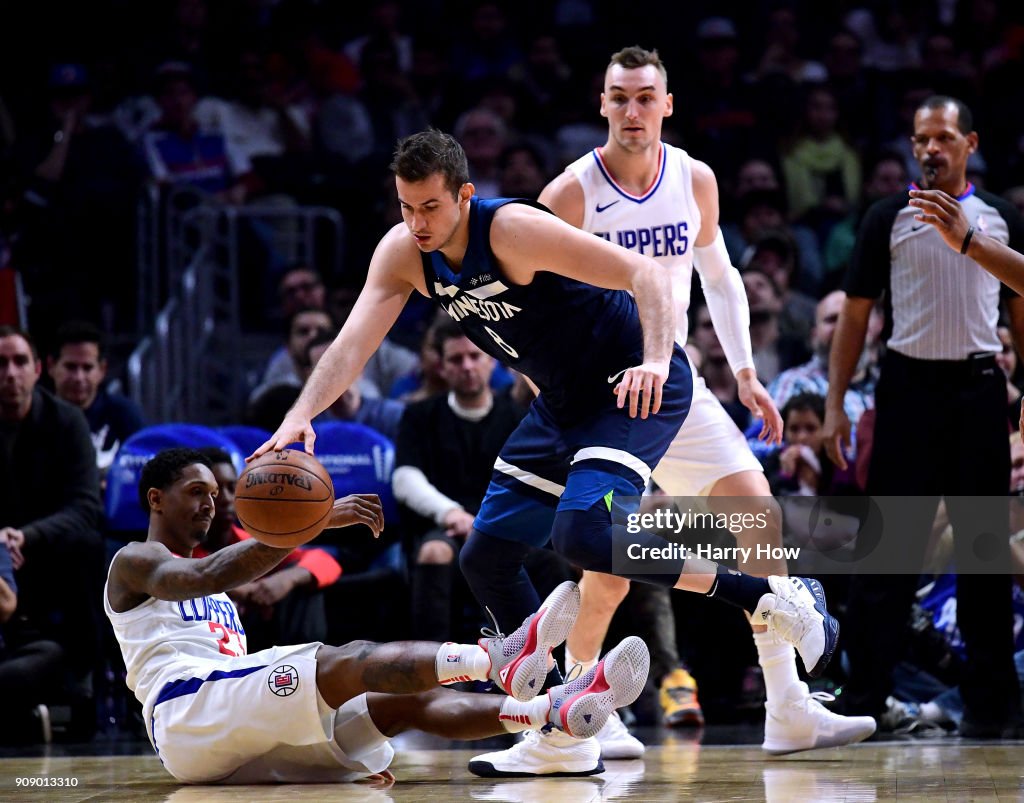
x=283 y=680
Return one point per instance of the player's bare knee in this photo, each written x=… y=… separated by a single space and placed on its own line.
x=603 y=591
x=435 y=553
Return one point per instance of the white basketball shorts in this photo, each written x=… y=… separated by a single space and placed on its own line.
x=708 y=447
x=259 y=719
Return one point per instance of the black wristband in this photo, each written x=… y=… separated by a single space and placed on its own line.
x=967 y=240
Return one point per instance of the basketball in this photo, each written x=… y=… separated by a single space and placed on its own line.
x=284 y=499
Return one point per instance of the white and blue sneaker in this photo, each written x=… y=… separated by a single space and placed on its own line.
x=795 y=609
x=519 y=662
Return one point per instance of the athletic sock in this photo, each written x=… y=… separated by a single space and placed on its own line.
x=736 y=588
x=571 y=661
x=458 y=663
x=532 y=715
x=778 y=663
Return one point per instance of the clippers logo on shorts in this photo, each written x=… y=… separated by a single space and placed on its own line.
x=283 y=680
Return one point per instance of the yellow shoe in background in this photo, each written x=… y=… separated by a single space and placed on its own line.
x=678 y=697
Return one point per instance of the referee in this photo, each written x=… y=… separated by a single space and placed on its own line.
x=941 y=423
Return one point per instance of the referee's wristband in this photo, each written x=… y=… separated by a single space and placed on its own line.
x=967 y=240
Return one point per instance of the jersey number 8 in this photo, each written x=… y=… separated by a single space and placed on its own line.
x=511 y=352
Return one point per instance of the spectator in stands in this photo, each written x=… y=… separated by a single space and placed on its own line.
x=446 y=448
x=483 y=136
x=523 y=173
x=812 y=376
x=180 y=151
x=290 y=366
x=773 y=350
x=761 y=207
x=382 y=415
x=301 y=288
x=80 y=179
x=852 y=84
x=774 y=253
x=388 y=364
x=885 y=175
x=384 y=22
x=78 y=366
x=284 y=606
x=49 y=516
x=822 y=171
x=543 y=79
x=30 y=666
x=714 y=367
x=801 y=467
x=1009 y=363
x=722 y=121
x=426 y=380
x=781 y=54
x=261 y=120
x=487 y=50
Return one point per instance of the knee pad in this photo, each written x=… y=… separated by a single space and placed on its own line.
x=486 y=557
x=584 y=537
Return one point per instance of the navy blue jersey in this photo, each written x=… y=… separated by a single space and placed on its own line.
x=567 y=336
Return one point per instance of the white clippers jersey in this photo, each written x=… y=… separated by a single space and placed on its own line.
x=663 y=223
x=159 y=639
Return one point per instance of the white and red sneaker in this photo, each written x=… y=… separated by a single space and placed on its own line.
x=519 y=662
x=581 y=707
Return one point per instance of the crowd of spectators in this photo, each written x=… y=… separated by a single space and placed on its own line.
x=803 y=111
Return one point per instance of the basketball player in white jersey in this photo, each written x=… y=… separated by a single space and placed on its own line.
x=654 y=198
x=313 y=713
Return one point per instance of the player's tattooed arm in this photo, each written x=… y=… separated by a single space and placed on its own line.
x=150 y=569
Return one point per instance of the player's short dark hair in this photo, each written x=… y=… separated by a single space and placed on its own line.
x=805 y=402
x=78 y=332
x=443 y=330
x=635 y=57
x=165 y=468
x=964 y=118
x=420 y=156
x=215 y=455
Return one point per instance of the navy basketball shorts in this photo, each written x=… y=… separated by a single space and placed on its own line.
x=545 y=467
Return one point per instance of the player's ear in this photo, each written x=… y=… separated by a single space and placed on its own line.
x=668 y=105
x=466 y=191
x=604 y=109
x=154 y=496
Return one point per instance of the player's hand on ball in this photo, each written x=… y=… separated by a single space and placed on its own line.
x=358 y=509
x=294 y=429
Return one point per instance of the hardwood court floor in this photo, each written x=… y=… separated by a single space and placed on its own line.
x=676 y=770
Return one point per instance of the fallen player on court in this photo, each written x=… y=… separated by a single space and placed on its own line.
x=315 y=713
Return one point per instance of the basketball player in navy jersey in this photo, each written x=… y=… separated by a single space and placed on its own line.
x=655 y=199
x=311 y=712
x=550 y=301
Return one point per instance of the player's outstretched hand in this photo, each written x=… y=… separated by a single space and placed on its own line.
x=358 y=509
x=642 y=384
x=754 y=397
x=293 y=429
x=944 y=213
